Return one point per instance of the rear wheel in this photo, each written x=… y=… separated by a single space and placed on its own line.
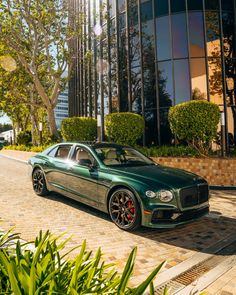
x=125 y=210
x=39 y=183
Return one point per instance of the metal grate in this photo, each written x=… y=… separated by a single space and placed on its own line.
x=171 y=286
x=193 y=196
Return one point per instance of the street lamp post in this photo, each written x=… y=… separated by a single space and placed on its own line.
x=41 y=133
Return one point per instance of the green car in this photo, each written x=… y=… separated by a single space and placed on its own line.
x=121 y=181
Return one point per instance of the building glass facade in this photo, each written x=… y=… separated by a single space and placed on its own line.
x=61 y=109
x=145 y=56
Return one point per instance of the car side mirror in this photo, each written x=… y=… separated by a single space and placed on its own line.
x=88 y=163
x=85 y=162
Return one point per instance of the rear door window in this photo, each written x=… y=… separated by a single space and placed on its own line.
x=60 y=152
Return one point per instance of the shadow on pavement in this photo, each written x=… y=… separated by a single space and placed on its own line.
x=197 y=236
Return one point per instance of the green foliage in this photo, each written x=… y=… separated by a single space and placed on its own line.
x=42 y=269
x=124 y=128
x=79 y=129
x=5 y=127
x=169 y=151
x=24 y=138
x=196 y=123
x=25 y=148
x=38 y=37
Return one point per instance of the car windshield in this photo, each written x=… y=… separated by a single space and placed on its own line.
x=122 y=156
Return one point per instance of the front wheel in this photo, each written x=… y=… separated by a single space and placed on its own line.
x=39 y=183
x=125 y=210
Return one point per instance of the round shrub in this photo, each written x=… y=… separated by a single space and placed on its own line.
x=196 y=123
x=124 y=128
x=79 y=129
x=24 y=138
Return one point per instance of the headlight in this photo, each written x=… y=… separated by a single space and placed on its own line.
x=150 y=194
x=165 y=196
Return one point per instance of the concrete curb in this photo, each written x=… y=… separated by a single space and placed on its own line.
x=222 y=187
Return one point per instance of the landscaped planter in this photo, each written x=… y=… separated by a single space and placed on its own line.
x=216 y=171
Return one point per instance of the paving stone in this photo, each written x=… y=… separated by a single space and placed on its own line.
x=20 y=207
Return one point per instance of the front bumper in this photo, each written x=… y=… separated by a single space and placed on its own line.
x=171 y=218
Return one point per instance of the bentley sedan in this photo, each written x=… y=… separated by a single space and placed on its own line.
x=121 y=181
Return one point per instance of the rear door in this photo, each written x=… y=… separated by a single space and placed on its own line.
x=57 y=166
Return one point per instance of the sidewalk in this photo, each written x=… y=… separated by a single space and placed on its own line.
x=226 y=284
x=18 y=155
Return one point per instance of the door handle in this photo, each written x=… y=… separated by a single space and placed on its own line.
x=69 y=169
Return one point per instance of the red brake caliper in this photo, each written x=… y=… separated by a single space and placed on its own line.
x=131 y=210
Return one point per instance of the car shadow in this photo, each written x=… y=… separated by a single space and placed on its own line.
x=199 y=235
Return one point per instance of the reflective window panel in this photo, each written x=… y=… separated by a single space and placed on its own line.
x=228 y=33
x=231 y=126
x=113 y=65
x=104 y=70
x=148 y=42
x=181 y=81
x=112 y=8
x=135 y=59
x=166 y=135
x=165 y=82
x=196 y=34
x=199 y=78
x=133 y=13
x=230 y=68
x=163 y=38
x=177 y=5
x=121 y=5
x=123 y=72
x=227 y=5
x=212 y=4
x=146 y=11
x=179 y=35
x=122 y=21
x=195 y=5
x=136 y=90
x=215 y=80
x=213 y=34
x=161 y=7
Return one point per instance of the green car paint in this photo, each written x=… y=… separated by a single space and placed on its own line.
x=94 y=184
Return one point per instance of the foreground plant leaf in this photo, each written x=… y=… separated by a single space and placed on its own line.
x=43 y=270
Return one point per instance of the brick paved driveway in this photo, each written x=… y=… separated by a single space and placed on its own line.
x=20 y=207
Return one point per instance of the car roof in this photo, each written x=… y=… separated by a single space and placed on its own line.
x=95 y=145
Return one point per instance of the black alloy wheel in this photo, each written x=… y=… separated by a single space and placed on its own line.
x=39 y=183
x=124 y=209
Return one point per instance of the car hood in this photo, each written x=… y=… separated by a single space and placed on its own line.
x=158 y=175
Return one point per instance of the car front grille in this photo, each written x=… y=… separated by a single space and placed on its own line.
x=194 y=196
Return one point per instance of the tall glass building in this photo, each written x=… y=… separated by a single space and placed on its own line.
x=145 y=56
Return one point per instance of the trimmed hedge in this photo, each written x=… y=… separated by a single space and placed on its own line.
x=24 y=137
x=196 y=123
x=169 y=151
x=79 y=129
x=28 y=148
x=124 y=128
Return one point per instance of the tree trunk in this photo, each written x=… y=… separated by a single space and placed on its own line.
x=34 y=129
x=52 y=122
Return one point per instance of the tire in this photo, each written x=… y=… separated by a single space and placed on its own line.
x=124 y=210
x=39 y=183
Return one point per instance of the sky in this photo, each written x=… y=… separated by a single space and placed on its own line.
x=4 y=119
